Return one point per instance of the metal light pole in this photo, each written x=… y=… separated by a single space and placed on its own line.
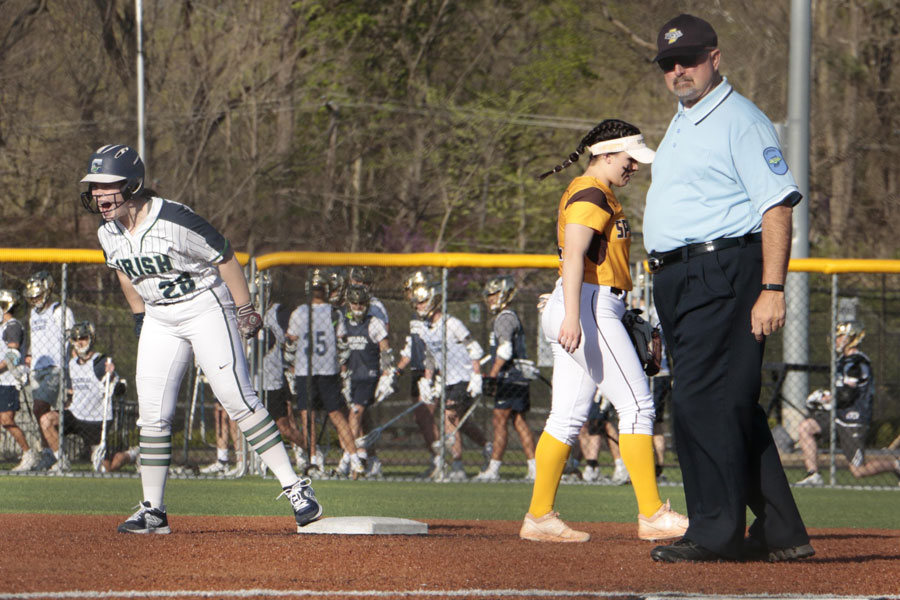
x=140 y=82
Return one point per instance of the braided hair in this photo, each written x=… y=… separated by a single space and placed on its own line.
x=610 y=129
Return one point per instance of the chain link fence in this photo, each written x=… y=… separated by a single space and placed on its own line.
x=403 y=388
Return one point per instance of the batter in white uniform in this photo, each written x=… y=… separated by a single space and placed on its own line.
x=591 y=348
x=189 y=296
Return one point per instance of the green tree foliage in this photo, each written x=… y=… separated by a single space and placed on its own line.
x=408 y=125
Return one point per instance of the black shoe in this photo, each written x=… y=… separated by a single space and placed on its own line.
x=756 y=550
x=684 y=550
x=146 y=520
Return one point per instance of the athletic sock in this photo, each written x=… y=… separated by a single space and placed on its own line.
x=637 y=452
x=262 y=434
x=593 y=463
x=550 y=457
x=222 y=454
x=156 y=455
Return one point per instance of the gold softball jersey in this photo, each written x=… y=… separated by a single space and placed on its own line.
x=589 y=202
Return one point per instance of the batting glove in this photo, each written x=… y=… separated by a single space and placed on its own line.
x=249 y=321
x=475 y=385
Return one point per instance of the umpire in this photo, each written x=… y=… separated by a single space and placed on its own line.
x=717 y=227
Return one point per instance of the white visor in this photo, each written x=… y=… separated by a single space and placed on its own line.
x=633 y=146
x=101 y=178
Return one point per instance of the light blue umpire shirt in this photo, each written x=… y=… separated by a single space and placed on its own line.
x=717 y=170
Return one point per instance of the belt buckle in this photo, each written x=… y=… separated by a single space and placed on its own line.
x=653 y=264
x=709 y=246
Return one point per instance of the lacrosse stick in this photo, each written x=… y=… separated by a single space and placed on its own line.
x=450 y=436
x=366 y=441
x=100 y=452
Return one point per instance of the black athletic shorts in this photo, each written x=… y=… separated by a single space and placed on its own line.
x=9 y=398
x=326 y=393
x=414 y=376
x=512 y=396
x=277 y=402
x=362 y=391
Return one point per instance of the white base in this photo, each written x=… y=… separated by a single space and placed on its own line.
x=365 y=526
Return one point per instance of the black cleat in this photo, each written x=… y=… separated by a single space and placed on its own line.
x=146 y=520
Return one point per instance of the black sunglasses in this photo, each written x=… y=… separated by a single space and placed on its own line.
x=687 y=62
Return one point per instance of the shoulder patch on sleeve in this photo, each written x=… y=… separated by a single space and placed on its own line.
x=594 y=196
x=775 y=160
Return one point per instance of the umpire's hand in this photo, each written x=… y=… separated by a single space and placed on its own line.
x=767 y=315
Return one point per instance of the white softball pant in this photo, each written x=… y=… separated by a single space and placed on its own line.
x=604 y=359
x=204 y=326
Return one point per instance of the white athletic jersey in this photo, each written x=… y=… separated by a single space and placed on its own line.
x=171 y=257
x=11 y=331
x=47 y=335
x=272 y=336
x=377 y=310
x=324 y=345
x=88 y=388
x=459 y=364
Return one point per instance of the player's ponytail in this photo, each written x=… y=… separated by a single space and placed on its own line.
x=610 y=129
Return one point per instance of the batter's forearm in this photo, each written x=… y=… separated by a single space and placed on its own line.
x=776 y=242
x=135 y=302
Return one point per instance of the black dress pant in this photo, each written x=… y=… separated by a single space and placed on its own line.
x=728 y=458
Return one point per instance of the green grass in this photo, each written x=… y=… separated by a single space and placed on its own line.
x=820 y=507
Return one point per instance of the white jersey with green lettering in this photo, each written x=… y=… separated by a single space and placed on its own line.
x=171 y=256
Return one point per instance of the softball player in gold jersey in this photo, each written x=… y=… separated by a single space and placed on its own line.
x=591 y=349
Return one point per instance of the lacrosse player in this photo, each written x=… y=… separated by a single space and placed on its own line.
x=12 y=339
x=189 y=297
x=368 y=366
x=47 y=325
x=854 y=385
x=93 y=384
x=462 y=377
x=508 y=382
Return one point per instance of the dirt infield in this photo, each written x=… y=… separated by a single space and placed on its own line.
x=64 y=553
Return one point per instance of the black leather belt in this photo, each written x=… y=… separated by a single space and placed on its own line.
x=658 y=261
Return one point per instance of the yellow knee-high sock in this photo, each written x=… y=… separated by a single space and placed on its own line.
x=550 y=459
x=637 y=452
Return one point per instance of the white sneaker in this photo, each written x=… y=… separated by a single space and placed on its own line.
x=238 y=469
x=811 y=480
x=663 y=525
x=62 y=465
x=620 y=474
x=216 y=467
x=29 y=461
x=590 y=474
x=488 y=475
x=343 y=467
x=457 y=472
x=374 y=468
x=357 y=468
x=550 y=528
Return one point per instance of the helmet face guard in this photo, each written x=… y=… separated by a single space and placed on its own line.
x=79 y=332
x=8 y=300
x=38 y=288
x=362 y=275
x=498 y=293
x=428 y=294
x=338 y=282
x=358 y=299
x=852 y=333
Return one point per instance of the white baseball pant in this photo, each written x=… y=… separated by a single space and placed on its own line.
x=604 y=359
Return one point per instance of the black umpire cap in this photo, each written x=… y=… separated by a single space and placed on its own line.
x=685 y=35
